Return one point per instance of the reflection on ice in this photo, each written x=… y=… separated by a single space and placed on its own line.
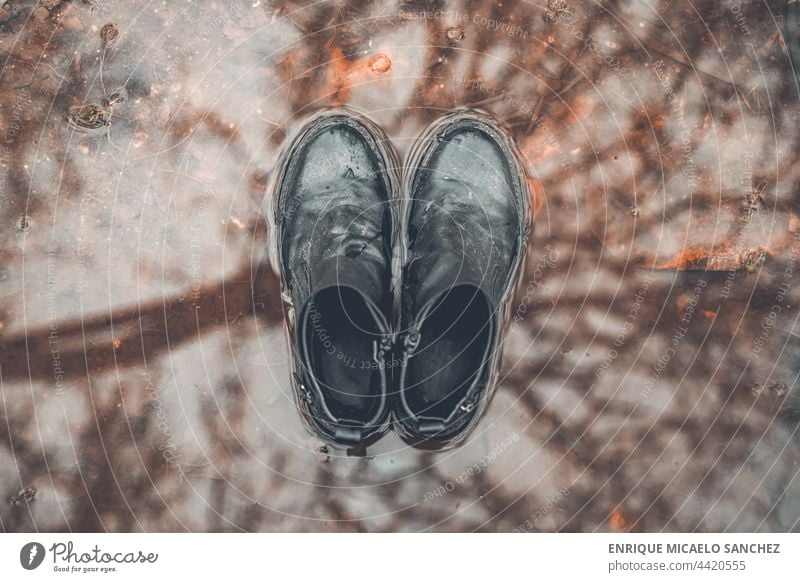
x=649 y=379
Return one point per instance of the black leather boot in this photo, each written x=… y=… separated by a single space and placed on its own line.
x=334 y=223
x=466 y=223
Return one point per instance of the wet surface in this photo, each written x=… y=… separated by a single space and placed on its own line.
x=649 y=378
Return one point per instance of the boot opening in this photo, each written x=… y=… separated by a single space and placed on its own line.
x=341 y=332
x=453 y=349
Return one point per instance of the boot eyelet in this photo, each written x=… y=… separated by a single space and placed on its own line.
x=467 y=407
x=411 y=341
x=380 y=349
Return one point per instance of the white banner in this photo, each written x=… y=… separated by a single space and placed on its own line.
x=406 y=557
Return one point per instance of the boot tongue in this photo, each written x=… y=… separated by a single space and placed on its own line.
x=361 y=274
x=442 y=273
x=454 y=246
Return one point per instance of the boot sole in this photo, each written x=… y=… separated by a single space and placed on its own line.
x=388 y=159
x=422 y=149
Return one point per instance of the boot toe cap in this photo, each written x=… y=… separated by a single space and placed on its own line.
x=337 y=154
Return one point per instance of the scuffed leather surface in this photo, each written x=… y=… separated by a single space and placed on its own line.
x=465 y=223
x=333 y=203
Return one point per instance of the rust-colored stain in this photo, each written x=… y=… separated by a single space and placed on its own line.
x=337 y=82
x=682 y=303
x=380 y=63
x=345 y=72
x=689 y=258
x=716 y=259
x=537 y=196
x=582 y=107
x=619 y=522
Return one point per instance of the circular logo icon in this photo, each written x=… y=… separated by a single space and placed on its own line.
x=31 y=555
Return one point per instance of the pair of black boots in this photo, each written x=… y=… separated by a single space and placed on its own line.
x=364 y=355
